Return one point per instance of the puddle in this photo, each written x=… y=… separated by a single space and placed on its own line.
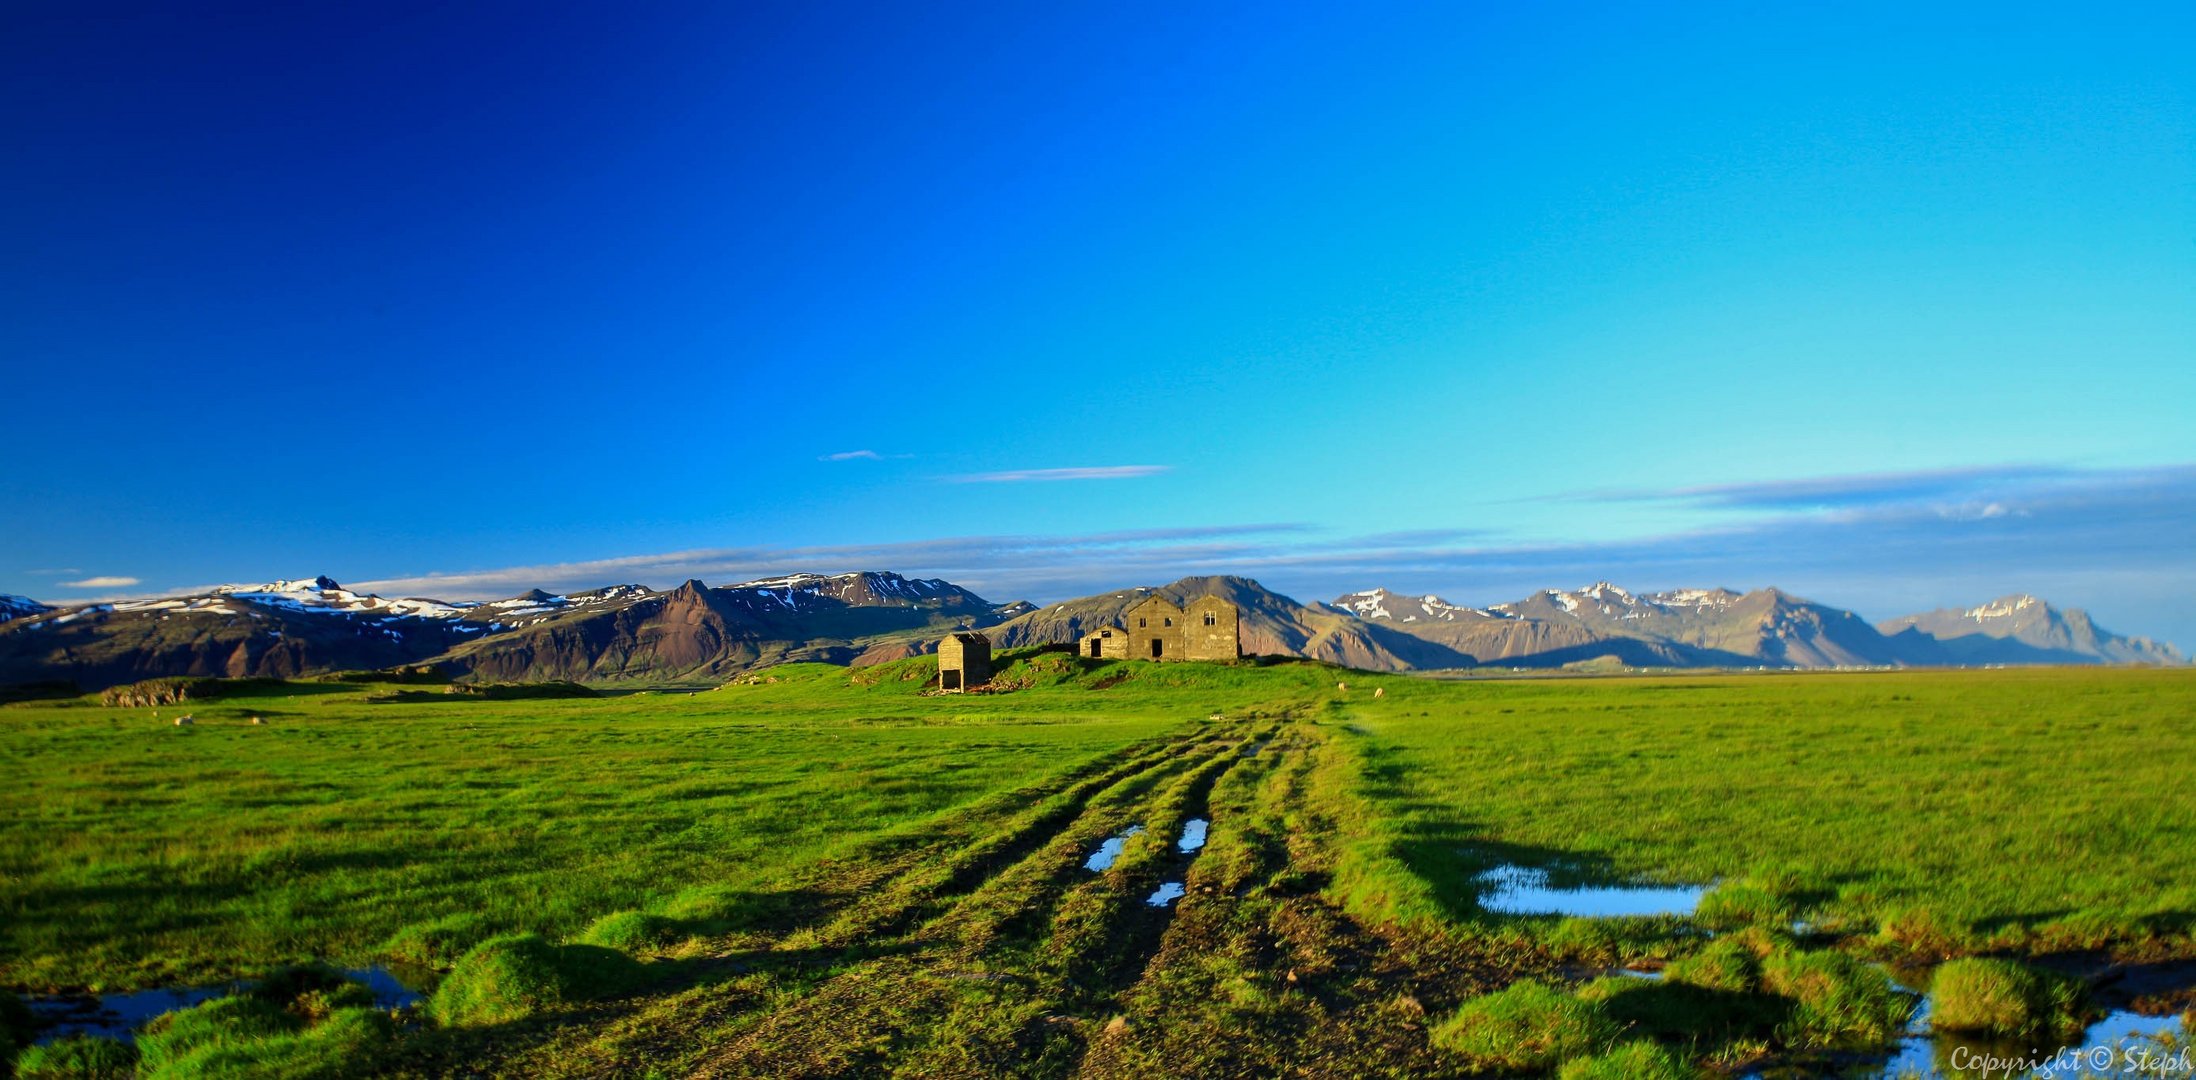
x=1193 y=835
x=118 y=1016
x=1253 y=749
x=2108 y=1048
x=1165 y=894
x=1102 y=859
x=1523 y=890
x=2123 y=1044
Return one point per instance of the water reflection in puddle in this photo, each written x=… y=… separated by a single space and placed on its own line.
x=2120 y=1045
x=1166 y=894
x=1102 y=859
x=2102 y=1052
x=1524 y=890
x=118 y=1016
x=2117 y=1046
x=1193 y=835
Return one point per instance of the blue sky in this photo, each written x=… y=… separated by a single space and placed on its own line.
x=1443 y=297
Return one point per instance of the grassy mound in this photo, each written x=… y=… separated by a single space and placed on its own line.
x=1728 y=963
x=1750 y=989
x=406 y=673
x=521 y=691
x=1526 y=1026
x=1631 y=1061
x=630 y=931
x=1837 y=1001
x=78 y=1057
x=1755 y=900
x=510 y=977
x=437 y=944
x=2002 y=997
x=299 y=1021
x=1684 y=1013
x=175 y=691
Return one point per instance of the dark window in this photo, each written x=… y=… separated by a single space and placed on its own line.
x=1140 y=624
x=1170 y=622
x=1210 y=620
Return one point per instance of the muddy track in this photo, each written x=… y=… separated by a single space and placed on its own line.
x=990 y=948
x=877 y=896
x=977 y=985
x=1260 y=973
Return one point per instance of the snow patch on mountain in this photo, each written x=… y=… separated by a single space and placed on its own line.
x=2002 y=608
x=322 y=595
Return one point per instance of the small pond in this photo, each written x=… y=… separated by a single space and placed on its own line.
x=118 y=1016
x=1525 y=890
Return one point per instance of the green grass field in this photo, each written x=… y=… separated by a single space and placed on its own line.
x=826 y=872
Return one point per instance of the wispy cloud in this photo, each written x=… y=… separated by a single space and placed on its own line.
x=1837 y=492
x=55 y=571
x=1090 y=472
x=853 y=455
x=2115 y=541
x=103 y=582
x=1001 y=567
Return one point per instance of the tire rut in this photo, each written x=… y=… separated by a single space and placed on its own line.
x=943 y=1004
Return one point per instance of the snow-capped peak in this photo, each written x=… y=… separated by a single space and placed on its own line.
x=2003 y=607
x=323 y=594
x=321 y=583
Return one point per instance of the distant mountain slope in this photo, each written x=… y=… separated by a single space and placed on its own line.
x=16 y=607
x=696 y=631
x=2022 y=629
x=278 y=630
x=1683 y=627
x=300 y=627
x=633 y=633
x=1272 y=624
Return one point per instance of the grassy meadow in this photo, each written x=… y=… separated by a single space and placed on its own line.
x=821 y=872
x=2035 y=809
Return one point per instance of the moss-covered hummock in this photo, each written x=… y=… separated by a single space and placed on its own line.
x=515 y=976
x=299 y=1021
x=1528 y=1025
x=1838 y=1001
x=1994 y=996
x=629 y=931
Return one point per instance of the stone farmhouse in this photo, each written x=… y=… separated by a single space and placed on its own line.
x=1155 y=629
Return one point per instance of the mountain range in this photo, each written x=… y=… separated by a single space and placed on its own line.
x=1763 y=628
x=699 y=633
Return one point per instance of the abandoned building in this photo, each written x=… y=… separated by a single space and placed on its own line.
x=964 y=660
x=1105 y=643
x=1155 y=629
